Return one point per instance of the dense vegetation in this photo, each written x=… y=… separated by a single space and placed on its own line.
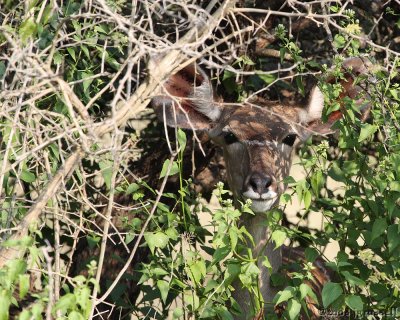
x=87 y=172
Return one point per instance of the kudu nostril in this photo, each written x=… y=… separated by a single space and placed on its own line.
x=260 y=182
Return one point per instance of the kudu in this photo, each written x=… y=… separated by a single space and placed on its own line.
x=258 y=139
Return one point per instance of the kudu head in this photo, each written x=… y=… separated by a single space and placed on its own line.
x=257 y=137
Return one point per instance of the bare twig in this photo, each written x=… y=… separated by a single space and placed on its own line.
x=139 y=100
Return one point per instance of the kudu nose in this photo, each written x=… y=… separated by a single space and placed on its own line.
x=260 y=182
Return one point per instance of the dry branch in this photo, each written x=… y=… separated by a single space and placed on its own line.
x=171 y=62
x=36 y=210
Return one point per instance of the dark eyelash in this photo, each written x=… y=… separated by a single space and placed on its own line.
x=290 y=139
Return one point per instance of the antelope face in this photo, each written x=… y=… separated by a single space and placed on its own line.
x=257 y=139
x=257 y=144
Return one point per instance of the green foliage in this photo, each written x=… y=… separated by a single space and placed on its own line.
x=95 y=54
x=15 y=286
x=178 y=268
x=363 y=216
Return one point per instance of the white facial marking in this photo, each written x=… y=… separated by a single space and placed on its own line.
x=261 y=203
x=260 y=143
x=262 y=206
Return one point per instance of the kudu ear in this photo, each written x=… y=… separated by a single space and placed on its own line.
x=187 y=100
x=312 y=118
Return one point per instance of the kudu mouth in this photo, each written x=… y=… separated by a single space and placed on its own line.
x=262 y=205
x=261 y=190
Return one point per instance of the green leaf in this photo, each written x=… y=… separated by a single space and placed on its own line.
x=71 y=51
x=379 y=291
x=378 y=228
x=367 y=130
x=106 y=167
x=393 y=237
x=181 y=139
x=305 y=290
x=220 y=254
x=15 y=269
x=197 y=270
x=394 y=94
x=208 y=312
x=32 y=3
x=211 y=285
x=174 y=168
x=279 y=237
x=317 y=182
x=311 y=254
x=172 y=233
x=5 y=298
x=87 y=82
x=267 y=264
x=299 y=83
x=299 y=191
x=231 y=273
x=285 y=198
x=282 y=53
x=156 y=240
x=37 y=310
x=267 y=78
x=293 y=308
x=24 y=315
x=354 y=302
x=251 y=269
x=228 y=74
x=330 y=293
x=223 y=312
x=47 y=13
x=23 y=285
x=163 y=286
x=65 y=303
x=84 y=300
x=353 y=280
x=74 y=315
x=57 y=58
x=133 y=187
x=28 y=28
x=79 y=279
x=246 y=60
x=27 y=176
x=248 y=273
x=159 y=271
x=191 y=299
x=25 y=242
x=284 y=295
x=233 y=235
x=179 y=283
x=289 y=180
x=307 y=199
x=178 y=313
x=85 y=51
x=339 y=41
x=336 y=173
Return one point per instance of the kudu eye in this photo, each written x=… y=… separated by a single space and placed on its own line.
x=230 y=138
x=290 y=139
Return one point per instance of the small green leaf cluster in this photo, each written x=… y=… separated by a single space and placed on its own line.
x=17 y=287
x=76 y=304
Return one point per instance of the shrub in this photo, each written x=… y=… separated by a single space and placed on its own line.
x=73 y=72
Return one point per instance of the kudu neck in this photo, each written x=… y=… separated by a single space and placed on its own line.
x=263 y=248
